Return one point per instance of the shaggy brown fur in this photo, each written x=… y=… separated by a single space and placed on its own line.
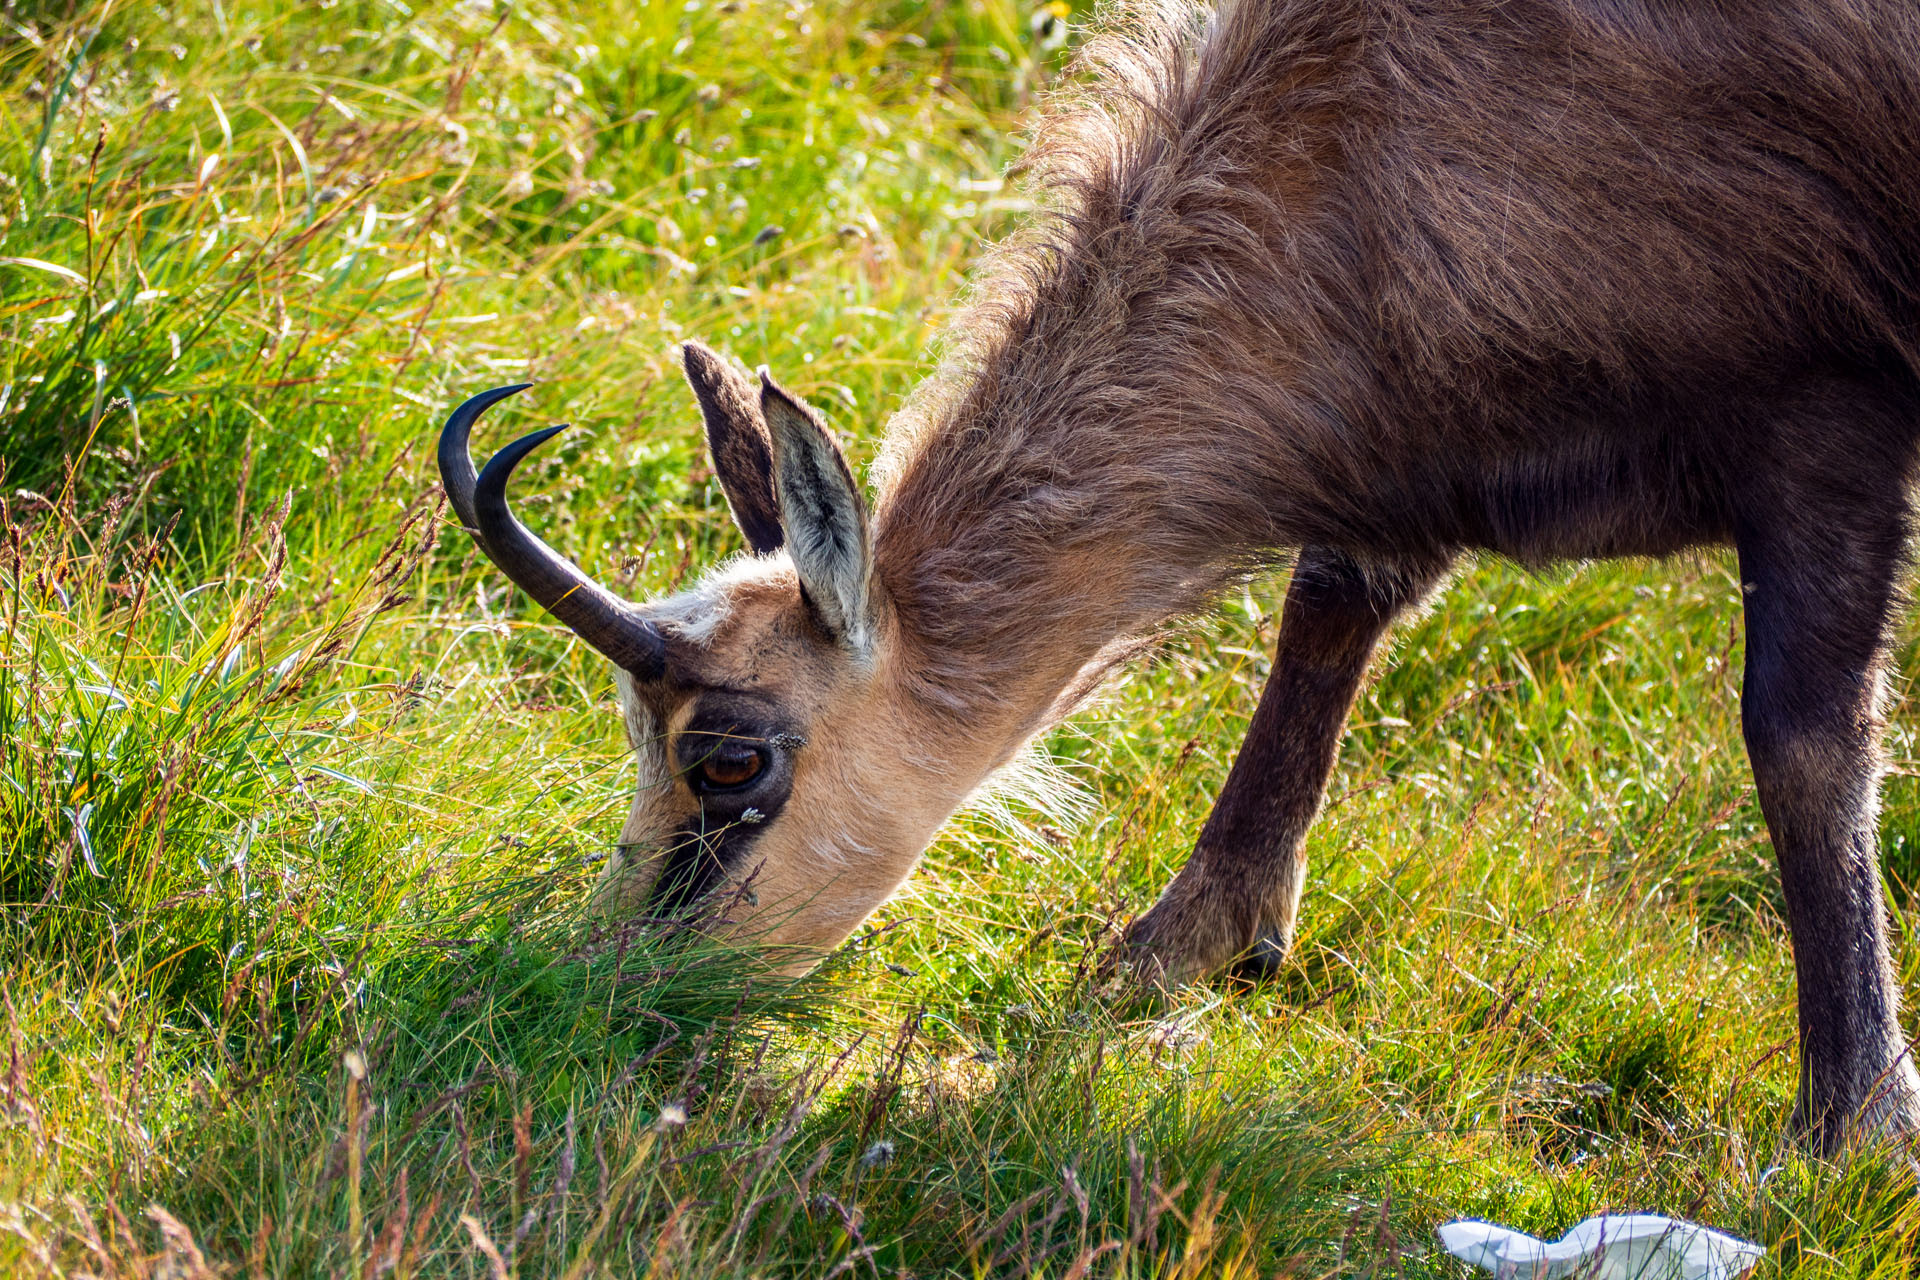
x=1525 y=276
x=1395 y=281
x=1387 y=282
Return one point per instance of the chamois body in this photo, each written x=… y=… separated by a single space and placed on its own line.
x=1544 y=279
x=1381 y=283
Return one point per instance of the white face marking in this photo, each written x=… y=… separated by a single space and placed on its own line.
x=698 y=613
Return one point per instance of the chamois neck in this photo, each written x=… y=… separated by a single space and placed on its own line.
x=1034 y=534
x=1126 y=415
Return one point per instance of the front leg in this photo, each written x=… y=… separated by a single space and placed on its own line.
x=1820 y=573
x=1238 y=893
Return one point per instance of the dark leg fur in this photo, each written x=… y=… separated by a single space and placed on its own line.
x=1238 y=893
x=1819 y=565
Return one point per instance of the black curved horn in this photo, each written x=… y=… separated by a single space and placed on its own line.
x=456 y=464
x=593 y=613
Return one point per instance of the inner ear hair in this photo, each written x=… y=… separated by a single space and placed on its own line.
x=824 y=514
x=737 y=440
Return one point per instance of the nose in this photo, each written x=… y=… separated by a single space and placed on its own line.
x=692 y=868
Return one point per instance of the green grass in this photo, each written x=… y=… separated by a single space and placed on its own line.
x=299 y=807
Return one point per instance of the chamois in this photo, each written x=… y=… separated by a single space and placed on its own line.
x=1373 y=284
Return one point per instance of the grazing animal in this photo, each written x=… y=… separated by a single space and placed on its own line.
x=1379 y=283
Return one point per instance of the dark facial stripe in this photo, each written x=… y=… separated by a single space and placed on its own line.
x=706 y=851
x=715 y=844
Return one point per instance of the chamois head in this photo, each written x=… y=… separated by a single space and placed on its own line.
x=775 y=752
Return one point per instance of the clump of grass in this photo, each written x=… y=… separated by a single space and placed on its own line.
x=138 y=711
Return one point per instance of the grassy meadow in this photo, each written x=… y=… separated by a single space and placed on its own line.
x=299 y=803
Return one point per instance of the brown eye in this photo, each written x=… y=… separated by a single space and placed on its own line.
x=729 y=765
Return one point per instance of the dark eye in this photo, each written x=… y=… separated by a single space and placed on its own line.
x=729 y=765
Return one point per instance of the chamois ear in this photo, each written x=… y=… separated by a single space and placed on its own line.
x=824 y=515
x=737 y=440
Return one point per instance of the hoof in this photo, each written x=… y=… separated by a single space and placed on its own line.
x=1155 y=956
x=1167 y=949
x=1890 y=1118
x=1264 y=960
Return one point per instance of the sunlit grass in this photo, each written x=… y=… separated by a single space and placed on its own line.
x=299 y=808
